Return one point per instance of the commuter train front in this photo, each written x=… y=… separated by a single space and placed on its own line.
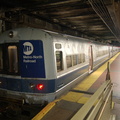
x=38 y=65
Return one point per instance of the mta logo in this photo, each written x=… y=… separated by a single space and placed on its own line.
x=27 y=48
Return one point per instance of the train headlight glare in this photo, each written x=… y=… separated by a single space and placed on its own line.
x=0 y=82
x=32 y=86
x=40 y=86
x=11 y=34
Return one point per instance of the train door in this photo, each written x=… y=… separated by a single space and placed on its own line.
x=90 y=59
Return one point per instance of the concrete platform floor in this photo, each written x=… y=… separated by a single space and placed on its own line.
x=90 y=84
x=115 y=77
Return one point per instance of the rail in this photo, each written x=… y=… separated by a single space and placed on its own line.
x=98 y=106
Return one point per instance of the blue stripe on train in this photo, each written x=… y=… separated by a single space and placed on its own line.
x=23 y=85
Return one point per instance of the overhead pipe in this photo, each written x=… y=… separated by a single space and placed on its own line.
x=103 y=13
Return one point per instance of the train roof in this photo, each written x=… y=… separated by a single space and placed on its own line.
x=26 y=33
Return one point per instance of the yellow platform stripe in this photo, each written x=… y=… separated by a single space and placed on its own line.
x=72 y=96
x=46 y=109
x=83 y=100
x=87 y=83
x=76 y=97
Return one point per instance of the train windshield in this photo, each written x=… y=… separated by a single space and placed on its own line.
x=9 y=59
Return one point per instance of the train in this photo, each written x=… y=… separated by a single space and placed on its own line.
x=37 y=65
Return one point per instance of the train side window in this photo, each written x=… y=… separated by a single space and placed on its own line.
x=81 y=58
x=69 y=61
x=74 y=59
x=59 y=60
x=58 y=46
x=1 y=59
x=13 y=59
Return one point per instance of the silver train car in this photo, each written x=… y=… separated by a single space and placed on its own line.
x=38 y=65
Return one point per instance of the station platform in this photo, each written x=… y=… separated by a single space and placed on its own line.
x=67 y=105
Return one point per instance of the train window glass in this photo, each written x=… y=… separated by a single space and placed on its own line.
x=83 y=57
x=58 y=46
x=69 y=61
x=59 y=62
x=74 y=59
x=13 y=59
x=79 y=59
x=1 y=58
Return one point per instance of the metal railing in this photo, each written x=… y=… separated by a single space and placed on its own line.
x=98 y=107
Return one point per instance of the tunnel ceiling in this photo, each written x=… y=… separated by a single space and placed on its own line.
x=98 y=19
